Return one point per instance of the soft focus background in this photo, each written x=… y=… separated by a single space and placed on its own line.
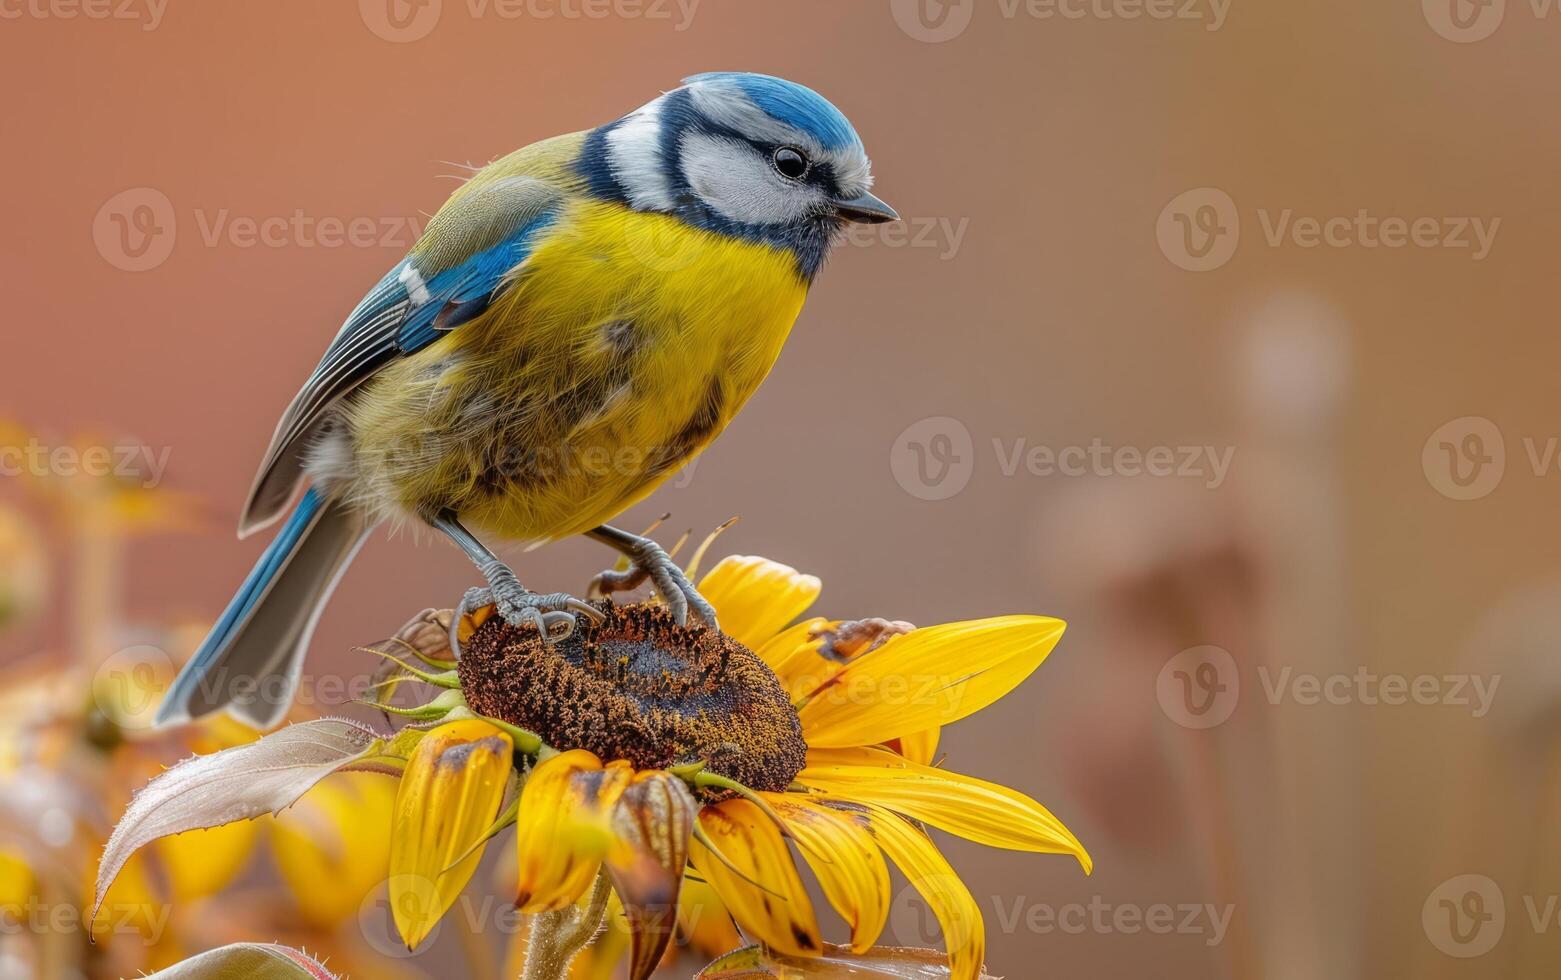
x=1292 y=480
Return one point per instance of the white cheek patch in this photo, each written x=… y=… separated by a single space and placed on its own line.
x=634 y=155
x=739 y=184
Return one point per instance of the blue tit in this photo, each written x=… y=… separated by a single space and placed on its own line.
x=578 y=321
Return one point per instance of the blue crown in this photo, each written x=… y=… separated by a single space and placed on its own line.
x=795 y=105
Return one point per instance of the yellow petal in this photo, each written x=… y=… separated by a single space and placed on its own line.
x=932 y=676
x=795 y=648
x=964 y=932
x=17 y=884
x=847 y=862
x=756 y=597
x=133 y=903
x=453 y=787
x=815 y=659
x=764 y=892
x=703 y=919
x=564 y=827
x=332 y=847
x=975 y=809
x=202 y=862
x=921 y=746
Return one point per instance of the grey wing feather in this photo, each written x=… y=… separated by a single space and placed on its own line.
x=454 y=259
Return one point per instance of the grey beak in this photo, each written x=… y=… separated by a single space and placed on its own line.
x=867 y=210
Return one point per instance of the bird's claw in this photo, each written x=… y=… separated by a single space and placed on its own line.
x=554 y=615
x=651 y=561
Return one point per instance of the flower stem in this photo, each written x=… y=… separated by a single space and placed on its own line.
x=558 y=936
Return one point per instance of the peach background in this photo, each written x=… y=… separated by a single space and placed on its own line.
x=1057 y=143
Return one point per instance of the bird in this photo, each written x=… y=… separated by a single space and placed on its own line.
x=577 y=321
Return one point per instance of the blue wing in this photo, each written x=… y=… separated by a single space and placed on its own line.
x=467 y=257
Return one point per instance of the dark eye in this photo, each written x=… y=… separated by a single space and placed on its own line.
x=790 y=163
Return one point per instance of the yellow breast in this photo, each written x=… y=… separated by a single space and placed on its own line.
x=626 y=345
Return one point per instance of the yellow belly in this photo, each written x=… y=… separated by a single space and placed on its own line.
x=625 y=347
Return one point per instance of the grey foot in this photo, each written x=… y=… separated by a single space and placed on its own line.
x=554 y=615
x=648 y=560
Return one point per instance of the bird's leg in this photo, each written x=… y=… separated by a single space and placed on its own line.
x=647 y=560
x=517 y=604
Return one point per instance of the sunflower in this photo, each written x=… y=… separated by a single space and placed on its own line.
x=634 y=753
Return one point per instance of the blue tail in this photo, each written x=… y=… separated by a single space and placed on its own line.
x=251 y=660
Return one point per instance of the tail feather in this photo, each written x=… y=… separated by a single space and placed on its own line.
x=250 y=662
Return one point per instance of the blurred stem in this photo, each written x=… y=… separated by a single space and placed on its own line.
x=558 y=936
x=99 y=552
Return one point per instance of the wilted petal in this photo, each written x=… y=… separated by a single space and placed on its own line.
x=817 y=658
x=764 y=892
x=247 y=961
x=240 y=783
x=756 y=597
x=836 y=963
x=964 y=932
x=932 y=676
x=652 y=824
x=846 y=860
x=452 y=789
x=987 y=813
x=564 y=827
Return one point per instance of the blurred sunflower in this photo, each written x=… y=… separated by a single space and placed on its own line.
x=76 y=741
x=636 y=752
